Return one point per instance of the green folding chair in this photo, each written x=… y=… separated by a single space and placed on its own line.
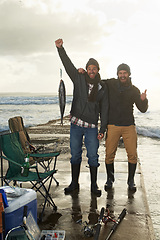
x=11 y=150
x=16 y=124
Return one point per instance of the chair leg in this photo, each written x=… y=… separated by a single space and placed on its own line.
x=50 y=200
x=56 y=181
x=46 y=200
x=46 y=166
x=46 y=196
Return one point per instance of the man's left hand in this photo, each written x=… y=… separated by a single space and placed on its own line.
x=81 y=70
x=100 y=136
x=144 y=95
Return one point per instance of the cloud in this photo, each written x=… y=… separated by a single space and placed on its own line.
x=110 y=31
x=26 y=30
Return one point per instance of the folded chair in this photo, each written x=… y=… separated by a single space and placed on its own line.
x=12 y=151
x=16 y=124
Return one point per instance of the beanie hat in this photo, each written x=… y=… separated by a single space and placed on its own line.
x=92 y=61
x=125 y=67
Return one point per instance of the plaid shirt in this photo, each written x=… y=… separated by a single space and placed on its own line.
x=81 y=123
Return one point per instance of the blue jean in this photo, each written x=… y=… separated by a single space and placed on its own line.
x=90 y=140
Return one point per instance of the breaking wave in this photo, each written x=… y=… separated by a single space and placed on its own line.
x=152 y=132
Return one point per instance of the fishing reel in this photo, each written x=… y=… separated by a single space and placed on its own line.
x=106 y=217
x=88 y=230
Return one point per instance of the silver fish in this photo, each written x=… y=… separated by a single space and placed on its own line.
x=62 y=99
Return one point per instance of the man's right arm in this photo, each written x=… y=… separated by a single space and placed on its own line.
x=68 y=65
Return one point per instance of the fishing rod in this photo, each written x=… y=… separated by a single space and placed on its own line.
x=104 y=217
x=117 y=222
x=99 y=224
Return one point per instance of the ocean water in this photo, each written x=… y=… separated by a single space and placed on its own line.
x=35 y=110
x=38 y=109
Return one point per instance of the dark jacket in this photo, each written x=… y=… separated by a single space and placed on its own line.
x=121 y=102
x=82 y=108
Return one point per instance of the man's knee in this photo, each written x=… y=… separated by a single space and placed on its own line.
x=93 y=159
x=110 y=156
x=109 y=160
x=75 y=160
x=132 y=159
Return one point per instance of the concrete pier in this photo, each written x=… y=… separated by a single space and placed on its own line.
x=136 y=225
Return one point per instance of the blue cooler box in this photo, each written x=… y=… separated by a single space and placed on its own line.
x=14 y=213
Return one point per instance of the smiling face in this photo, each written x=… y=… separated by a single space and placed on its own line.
x=92 y=71
x=123 y=76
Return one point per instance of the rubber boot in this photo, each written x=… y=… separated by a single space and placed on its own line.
x=94 y=186
x=74 y=185
x=131 y=173
x=110 y=176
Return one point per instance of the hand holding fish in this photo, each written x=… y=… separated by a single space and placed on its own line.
x=59 y=43
x=144 y=95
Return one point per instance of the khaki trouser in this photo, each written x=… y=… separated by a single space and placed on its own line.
x=129 y=135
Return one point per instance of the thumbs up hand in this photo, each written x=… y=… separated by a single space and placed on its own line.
x=144 y=95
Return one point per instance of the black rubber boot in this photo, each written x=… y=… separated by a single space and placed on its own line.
x=131 y=173
x=75 y=168
x=94 y=186
x=110 y=176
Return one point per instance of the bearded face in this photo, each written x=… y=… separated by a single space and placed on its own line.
x=123 y=76
x=92 y=71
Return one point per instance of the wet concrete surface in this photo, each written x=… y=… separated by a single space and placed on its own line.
x=84 y=205
x=149 y=152
x=137 y=224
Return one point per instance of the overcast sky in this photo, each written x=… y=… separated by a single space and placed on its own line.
x=111 y=31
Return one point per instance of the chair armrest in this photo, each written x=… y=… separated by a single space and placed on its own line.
x=12 y=161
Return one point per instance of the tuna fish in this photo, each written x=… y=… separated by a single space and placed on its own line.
x=62 y=99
